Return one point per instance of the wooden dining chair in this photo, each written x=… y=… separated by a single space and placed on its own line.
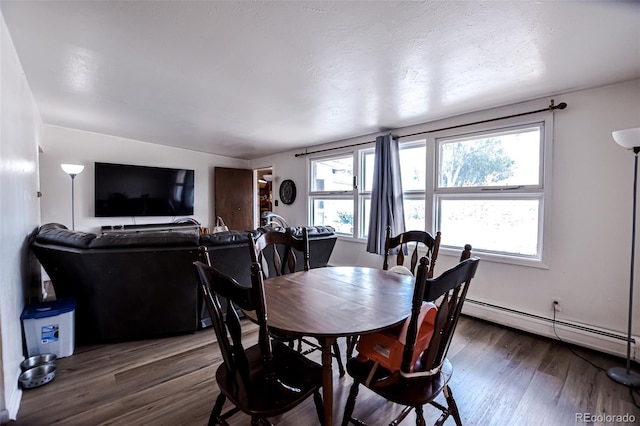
x=423 y=241
x=277 y=251
x=419 y=383
x=263 y=380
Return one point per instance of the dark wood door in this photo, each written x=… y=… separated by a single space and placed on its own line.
x=234 y=197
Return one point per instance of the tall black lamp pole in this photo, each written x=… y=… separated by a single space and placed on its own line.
x=72 y=170
x=630 y=139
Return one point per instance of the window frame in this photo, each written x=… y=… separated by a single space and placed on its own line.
x=415 y=194
x=432 y=195
x=541 y=190
x=359 y=193
x=336 y=194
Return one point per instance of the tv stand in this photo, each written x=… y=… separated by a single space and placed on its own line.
x=153 y=227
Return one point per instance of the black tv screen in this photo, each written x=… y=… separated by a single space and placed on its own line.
x=128 y=190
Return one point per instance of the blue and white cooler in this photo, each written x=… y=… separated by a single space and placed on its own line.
x=49 y=327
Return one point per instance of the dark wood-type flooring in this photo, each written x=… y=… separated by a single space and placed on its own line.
x=501 y=377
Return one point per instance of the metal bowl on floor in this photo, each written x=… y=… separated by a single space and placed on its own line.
x=37 y=376
x=36 y=360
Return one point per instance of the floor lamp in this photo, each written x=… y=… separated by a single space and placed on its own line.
x=72 y=170
x=630 y=139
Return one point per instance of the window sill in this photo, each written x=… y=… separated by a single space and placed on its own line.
x=498 y=258
x=455 y=252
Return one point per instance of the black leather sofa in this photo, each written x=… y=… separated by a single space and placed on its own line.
x=141 y=285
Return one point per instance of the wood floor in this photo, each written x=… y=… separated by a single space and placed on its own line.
x=501 y=377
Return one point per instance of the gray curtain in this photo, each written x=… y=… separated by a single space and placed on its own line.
x=386 y=195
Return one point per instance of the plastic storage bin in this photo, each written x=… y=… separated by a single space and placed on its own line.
x=49 y=327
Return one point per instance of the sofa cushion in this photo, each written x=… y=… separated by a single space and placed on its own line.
x=227 y=238
x=55 y=233
x=269 y=228
x=313 y=231
x=145 y=239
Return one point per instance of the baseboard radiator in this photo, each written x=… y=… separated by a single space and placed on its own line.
x=591 y=337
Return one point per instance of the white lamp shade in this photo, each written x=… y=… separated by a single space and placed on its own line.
x=267 y=177
x=72 y=169
x=628 y=138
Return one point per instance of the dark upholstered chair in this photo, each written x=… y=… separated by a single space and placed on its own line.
x=279 y=252
x=263 y=380
x=419 y=383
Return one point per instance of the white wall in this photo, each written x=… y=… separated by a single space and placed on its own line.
x=286 y=166
x=20 y=126
x=64 y=145
x=590 y=220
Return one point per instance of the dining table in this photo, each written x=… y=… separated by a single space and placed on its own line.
x=331 y=302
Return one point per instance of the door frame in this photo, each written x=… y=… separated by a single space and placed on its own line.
x=258 y=173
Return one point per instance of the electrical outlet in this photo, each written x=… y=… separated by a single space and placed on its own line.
x=556 y=305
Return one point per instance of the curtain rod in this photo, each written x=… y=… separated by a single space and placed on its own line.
x=551 y=107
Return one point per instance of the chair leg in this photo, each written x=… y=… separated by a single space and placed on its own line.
x=351 y=345
x=404 y=413
x=317 y=399
x=351 y=403
x=419 y=416
x=336 y=352
x=217 y=409
x=453 y=407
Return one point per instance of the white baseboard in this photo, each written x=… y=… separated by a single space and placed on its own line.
x=13 y=404
x=603 y=340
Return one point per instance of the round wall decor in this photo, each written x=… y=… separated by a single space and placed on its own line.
x=287 y=191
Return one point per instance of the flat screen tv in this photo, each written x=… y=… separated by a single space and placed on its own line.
x=128 y=190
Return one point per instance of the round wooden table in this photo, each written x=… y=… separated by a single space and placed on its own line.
x=332 y=302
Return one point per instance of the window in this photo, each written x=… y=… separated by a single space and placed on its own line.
x=490 y=191
x=413 y=160
x=331 y=196
x=342 y=199
x=485 y=185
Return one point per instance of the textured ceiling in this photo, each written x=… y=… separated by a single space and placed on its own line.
x=247 y=79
